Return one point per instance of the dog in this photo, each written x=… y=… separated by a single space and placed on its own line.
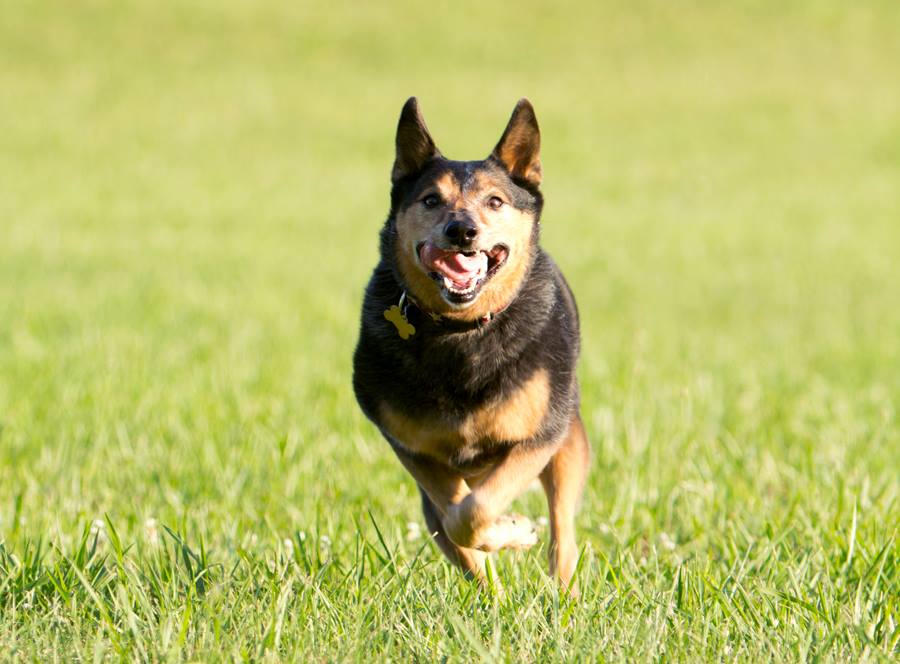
x=468 y=345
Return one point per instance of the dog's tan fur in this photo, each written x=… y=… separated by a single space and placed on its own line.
x=514 y=418
x=507 y=225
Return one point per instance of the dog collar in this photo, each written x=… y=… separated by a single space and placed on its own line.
x=407 y=302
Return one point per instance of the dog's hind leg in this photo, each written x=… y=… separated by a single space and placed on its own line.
x=471 y=561
x=563 y=481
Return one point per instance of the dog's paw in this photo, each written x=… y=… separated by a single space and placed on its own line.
x=510 y=531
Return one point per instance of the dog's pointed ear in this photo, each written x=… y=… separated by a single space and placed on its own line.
x=520 y=146
x=415 y=147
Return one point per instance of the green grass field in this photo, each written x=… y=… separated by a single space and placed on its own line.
x=189 y=204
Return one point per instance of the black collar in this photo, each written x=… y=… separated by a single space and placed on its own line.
x=409 y=306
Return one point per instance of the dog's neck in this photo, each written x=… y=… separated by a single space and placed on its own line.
x=407 y=302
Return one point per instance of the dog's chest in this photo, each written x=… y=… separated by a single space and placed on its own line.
x=481 y=435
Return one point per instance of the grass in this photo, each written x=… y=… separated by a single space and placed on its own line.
x=189 y=204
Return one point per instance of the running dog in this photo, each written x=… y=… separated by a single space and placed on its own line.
x=468 y=345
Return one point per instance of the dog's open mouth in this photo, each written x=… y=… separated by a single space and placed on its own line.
x=461 y=274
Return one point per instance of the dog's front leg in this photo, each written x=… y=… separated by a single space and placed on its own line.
x=441 y=484
x=441 y=489
x=473 y=518
x=478 y=521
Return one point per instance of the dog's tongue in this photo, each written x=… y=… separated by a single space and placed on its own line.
x=457 y=267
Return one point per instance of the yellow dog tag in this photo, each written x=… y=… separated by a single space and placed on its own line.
x=395 y=315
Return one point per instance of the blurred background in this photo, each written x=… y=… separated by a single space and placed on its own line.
x=190 y=198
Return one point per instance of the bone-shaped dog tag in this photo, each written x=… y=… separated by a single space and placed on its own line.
x=395 y=316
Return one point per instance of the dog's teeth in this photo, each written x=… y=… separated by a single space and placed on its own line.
x=450 y=286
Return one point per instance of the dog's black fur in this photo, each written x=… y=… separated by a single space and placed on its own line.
x=452 y=372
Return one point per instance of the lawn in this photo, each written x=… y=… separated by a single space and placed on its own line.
x=189 y=204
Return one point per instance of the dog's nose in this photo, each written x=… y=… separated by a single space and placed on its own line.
x=461 y=232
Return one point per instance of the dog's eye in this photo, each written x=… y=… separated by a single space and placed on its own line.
x=495 y=202
x=431 y=201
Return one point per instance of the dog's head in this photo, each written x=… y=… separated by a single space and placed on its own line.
x=462 y=234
